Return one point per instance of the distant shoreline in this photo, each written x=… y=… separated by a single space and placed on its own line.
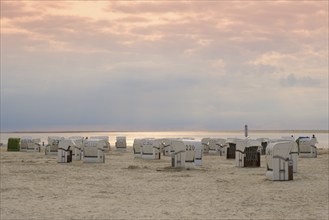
x=220 y=131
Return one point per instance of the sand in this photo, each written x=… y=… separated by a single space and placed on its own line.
x=35 y=186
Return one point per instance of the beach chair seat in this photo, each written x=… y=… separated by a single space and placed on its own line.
x=121 y=143
x=279 y=165
x=93 y=151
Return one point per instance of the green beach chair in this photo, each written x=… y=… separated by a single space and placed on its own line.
x=13 y=144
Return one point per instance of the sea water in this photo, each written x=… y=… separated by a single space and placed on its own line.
x=322 y=136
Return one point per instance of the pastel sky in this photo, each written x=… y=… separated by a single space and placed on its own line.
x=164 y=65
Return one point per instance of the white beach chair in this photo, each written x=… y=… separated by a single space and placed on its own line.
x=247 y=153
x=178 y=154
x=216 y=145
x=29 y=144
x=205 y=145
x=77 y=149
x=194 y=152
x=186 y=153
x=93 y=151
x=106 y=141
x=121 y=143
x=150 y=149
x=64 y=154
x=166 y=146
x=228 y=150
x=278 y=162
x=137 y=147
x=293 y=154
x=52 y=146
x=307 y=147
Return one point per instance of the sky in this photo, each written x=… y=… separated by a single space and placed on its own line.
x=164 y=65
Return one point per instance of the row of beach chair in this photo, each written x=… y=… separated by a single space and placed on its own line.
x=281 y=154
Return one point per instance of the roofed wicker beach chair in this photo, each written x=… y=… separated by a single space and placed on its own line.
x=52 y=146
x=137 y=147
x=293 y=154
x=29 y=144
x=121 y=143
x=151 y=149
x=307 y=146
x=166 y=146
x=216 y=145
x=93 y=151
x=13 y=144
x=105 y=139
x=194 y=152
x=247 y=153
x=228 y=150
x=178 y=154
x=205 y=145
x=279 y=165
x=77 y=149
x=64 y=154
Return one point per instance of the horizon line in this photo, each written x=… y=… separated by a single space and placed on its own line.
x=230 y=130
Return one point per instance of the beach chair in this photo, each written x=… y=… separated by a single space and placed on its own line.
x=121 y=143
x=13 y=144
x=189 y=153
x=247 y=153
x=29 y=144
x=106 y=141
x=137 y=147
x=93 y=151
x=178 y=154
x=77 y=148
x=166 y=146
x=205 y=145
x=216 y=145
x=150 y=149
x=64 y=154
x=194 y=152
x=307 y=147
x=229 y=148
x=293 y=154
x=52 y=146
x=279 y=166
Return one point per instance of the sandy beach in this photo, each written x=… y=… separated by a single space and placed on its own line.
x=35 y=186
